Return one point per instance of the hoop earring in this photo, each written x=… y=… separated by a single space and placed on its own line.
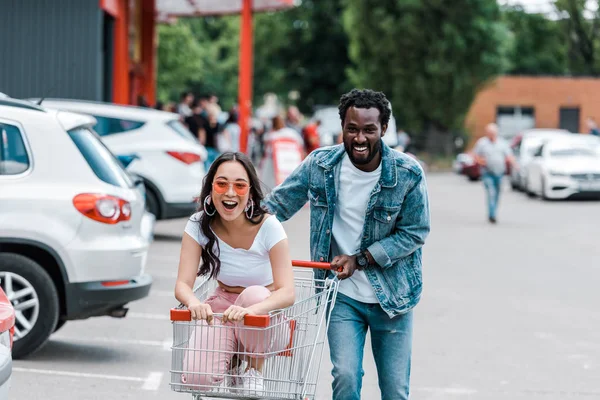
x=250 y=206
x=205 y=206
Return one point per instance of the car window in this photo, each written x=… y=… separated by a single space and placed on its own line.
x=574 y=151
x=13 y=153
x=104 y=164
x=110 y=126
x=182 y=130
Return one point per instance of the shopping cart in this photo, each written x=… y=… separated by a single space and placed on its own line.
x=289 y=342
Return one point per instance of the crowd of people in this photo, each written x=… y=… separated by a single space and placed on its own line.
x=220 y=131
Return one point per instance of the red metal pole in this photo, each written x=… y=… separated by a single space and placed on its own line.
x=245 y=74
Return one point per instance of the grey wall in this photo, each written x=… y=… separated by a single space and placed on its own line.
x=51 y=48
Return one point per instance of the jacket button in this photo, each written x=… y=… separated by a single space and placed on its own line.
x=389 y=218
x=327 y=231
x=321 y=259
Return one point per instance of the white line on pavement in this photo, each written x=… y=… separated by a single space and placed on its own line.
x=151 y=382
x=460 y=391
x=135 y=342
x=137 y=315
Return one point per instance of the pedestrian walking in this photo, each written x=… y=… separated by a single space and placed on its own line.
x=493 y=155
x=369 y=216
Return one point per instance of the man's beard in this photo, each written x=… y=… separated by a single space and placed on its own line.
x=372 y=153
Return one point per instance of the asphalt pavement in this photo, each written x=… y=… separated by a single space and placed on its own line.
x=509 y=311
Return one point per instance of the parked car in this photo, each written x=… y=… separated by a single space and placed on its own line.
x=565 y=167
x=523 y=146
x=158 y=147
x=74 y=233
x=461 y=161
x=7 y=329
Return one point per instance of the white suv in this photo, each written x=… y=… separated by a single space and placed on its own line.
x=74 y=233
x=158 y=146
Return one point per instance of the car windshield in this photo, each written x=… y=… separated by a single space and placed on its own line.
x=104 y=164
x=182 y=131
x=575 y=151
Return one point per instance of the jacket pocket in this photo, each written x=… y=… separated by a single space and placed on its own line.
x=385 y=220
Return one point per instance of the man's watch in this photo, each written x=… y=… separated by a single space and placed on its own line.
x=361 y=260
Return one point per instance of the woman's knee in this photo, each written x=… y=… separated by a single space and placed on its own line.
x=252 y=295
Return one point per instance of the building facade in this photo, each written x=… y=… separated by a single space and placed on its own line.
x=519 y=102
x=100 y=50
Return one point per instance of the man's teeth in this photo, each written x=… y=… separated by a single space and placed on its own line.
x=360 y=148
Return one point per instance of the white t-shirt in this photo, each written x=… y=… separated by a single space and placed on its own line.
x=353 y=194
x=241 y=267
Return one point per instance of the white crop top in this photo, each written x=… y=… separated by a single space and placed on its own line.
x=241 y=267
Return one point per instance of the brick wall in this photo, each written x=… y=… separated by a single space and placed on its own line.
x=545 y=94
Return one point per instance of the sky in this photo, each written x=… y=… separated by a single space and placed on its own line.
x=543 y=6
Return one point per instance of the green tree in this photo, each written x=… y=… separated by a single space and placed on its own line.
x=303 y=49
x=582 y=31
x=179 y=57
x=430 y=57
x=538 y=45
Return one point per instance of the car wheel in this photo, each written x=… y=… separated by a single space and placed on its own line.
x=544 y=197
x=152 y=204
x=34 y=298
x=528 y=190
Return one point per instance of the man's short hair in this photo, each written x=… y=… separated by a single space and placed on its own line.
x=366 y=98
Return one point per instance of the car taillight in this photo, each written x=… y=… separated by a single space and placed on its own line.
x=103 y=208
x=187 y=158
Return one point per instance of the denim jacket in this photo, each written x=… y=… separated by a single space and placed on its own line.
x=396 y=225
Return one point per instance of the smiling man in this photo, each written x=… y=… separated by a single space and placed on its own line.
x=369 y=217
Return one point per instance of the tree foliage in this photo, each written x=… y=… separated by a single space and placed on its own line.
x=179 y=58
x=430 y=57
x=537 y=45
x=582 y=32
x=304 y=49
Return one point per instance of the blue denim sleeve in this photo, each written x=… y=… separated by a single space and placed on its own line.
x=412 y=228
x=290 y=196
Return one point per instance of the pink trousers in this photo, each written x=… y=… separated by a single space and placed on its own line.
x=211 y=348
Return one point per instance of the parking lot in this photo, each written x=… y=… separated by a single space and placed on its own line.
x=509 y=311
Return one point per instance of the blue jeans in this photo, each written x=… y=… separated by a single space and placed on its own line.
x=492 y=185
x=391 y=341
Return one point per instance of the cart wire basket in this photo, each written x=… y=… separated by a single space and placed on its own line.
x=288 y=344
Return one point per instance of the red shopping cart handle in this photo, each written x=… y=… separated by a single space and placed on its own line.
x=313 y=264
x=259 y=321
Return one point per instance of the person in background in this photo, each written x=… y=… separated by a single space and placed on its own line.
x=280 y=130
x=293 y=118
x=403 y=140
x=593 y=127
x=311 y=137
x=492 y=154
x=212 y=130
x=369 y=216
x=231 y=133
x=185 y=103
x=196 y=122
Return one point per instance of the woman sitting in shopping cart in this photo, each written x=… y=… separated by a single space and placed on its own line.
x=234 y=241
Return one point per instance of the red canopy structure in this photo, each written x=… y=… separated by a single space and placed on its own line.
x=198 y=8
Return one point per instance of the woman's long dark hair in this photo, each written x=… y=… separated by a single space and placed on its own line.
x=211 y=265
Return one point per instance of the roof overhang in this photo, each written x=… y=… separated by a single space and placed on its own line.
x=197 y=8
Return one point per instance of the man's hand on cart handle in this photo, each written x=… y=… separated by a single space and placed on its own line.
x=200 y=310
x=344 y=265
x=236 y=313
